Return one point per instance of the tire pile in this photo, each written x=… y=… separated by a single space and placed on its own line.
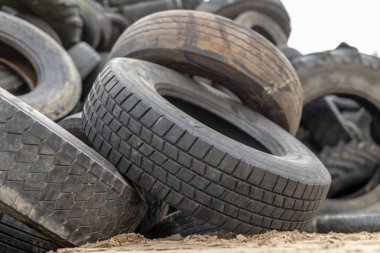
x=178 y=116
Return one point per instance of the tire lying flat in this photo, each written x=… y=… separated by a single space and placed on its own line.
x=56 y=184
x=221 y=51
x=193 y=168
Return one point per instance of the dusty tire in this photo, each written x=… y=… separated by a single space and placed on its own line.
x=264 y=25
x=195 y=169
x=85 y=58
x=16 y=237
x=9 y=80
x=179 y=223
x=64 y=19
x=56 y=92
x=56 y=184
x=91 y=27
x=266 y=80
x=350 y=164
x=274 y=9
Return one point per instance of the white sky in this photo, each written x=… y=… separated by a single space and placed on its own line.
x=320 y=25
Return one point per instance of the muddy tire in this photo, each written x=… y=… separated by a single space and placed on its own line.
x=56 y=92
x=56 y=184
x=274 y=9
x=85 y=58
x=179 y=223
x=64 y=19
x=16 y=237
x=9 y=80
x=266 y=80
x=193 y=168
x=264 y=25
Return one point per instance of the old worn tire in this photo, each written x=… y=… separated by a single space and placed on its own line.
x=15 y=237
x=56 y=184
x=91 y=27
x=264 y=25
x=342 y=71
x=274 y=9
x=193 y=168
x=9 y=80
x=350 y=164
x=180 y=223
x=289 y=52
x=89 y=81
x=73 y=124
x=222 y=51
x=56 y=92
x=62 y=15
x=190 y=4
x=85 y=58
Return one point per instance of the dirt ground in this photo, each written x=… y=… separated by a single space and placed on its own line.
x=224 y=243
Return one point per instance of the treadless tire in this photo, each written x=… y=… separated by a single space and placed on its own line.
x=222 y=51
x=179 y=223
x=15 y=237
x=350 y=165
x=264 y=25
x=56 y=92
x=274 y=9
x=9 y=80
x=62 y=15
x=342 y=71
x=193 y=168
x=56 y=184
x=85 y=58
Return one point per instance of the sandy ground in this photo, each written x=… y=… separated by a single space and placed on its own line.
x=269 y=242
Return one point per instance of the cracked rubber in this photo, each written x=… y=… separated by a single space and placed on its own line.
x=193 y=168
x=274 y=9
x=56 y=92
x=56 y=184
x=350 y=164
x=222 y=51
x=15 y=237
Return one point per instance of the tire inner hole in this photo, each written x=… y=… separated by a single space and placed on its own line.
x=216 y=123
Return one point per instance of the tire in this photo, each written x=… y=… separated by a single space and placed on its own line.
x=57 y=185
x=350 y=165
x=65 y=18
x=89 y=81
x=73 y=124
x=179 y=223
x=91 y=27
x=16 y=237
x=189 y=53
x=190 y=4
x=42 y=25
x=56 y=92
x=10 y=81
x=119 y=24
x=289 y=52
x=274 y=9
x=196 y=169
x=264 y=25
x=85 y=58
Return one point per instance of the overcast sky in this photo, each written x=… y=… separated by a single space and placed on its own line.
x=319 y=25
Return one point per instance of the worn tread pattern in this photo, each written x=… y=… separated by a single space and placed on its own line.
x=57 y=185
x=350 y=164
x=169 y=162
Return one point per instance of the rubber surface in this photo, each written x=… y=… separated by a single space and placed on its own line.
x=222 y=51
x=9 y=80
x=57 y=92
x=193 y=168
x=56 y=184
x=85 y=58
x=73 y=124
x=289 y=52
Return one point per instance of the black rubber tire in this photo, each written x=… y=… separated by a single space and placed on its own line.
x=91 y=27
x=233 y=8
x=196 y=169
x=190 y=4
x=119 y=24
x=9 y=80
x=222 y=51
x=73 y=124
x=263 y=25
x=65 y=18
x=41 y=24
x=350 y=164
x=134 y=12
x=58 y=86
x=179 y=223
x=15 y=237
x=89 y=81
x=85 y=58
x=56 y=184
x=289 y=52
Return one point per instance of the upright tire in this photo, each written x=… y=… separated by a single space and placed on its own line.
x=222 y=51
x=56 y=92
x=193 y=168
x=56 y=184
